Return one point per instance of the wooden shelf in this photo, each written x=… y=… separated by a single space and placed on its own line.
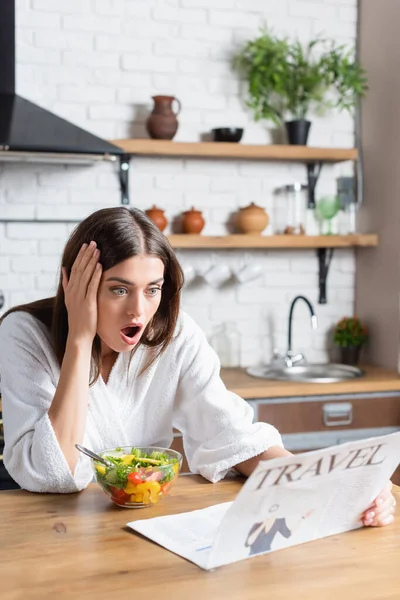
x=272 y=241
x=147 y=147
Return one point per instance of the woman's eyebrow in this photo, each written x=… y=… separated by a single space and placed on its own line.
x=127 y=282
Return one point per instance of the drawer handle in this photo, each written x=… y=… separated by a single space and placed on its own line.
x=337 y=413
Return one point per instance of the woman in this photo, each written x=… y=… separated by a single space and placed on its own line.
x=111 y=361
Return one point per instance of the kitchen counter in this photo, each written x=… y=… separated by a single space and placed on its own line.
x=376 y=379
x=76 y=546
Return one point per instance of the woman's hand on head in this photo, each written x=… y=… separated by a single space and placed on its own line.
x=381 y=512
x=80 y=292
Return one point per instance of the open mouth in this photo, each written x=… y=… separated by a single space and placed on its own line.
x=131 y=334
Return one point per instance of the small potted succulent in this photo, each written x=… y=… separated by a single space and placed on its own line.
x=350 y=335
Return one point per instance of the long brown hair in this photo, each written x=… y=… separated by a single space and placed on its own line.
x=119 y=233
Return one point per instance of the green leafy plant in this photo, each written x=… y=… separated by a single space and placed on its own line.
x=286 y=78
x=350 y=331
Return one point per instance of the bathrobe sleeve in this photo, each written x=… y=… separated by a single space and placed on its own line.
x=29 y=374
x=217 y=425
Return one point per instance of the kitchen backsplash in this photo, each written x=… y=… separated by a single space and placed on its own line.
x=97 y=63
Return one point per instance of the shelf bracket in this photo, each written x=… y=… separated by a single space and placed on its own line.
x=124 y=167
x=324 y=260
x=313 y=172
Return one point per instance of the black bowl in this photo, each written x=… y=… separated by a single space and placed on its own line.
x=227 y=134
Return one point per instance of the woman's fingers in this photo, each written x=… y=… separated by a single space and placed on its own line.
x=83 y=268
x=79 y=257
x=381 y=513
x=87 y=260
x=82 y=260
x=94 y=282
x=381 y=522
x=87 y=274
x=80 y=290
x=381 y=498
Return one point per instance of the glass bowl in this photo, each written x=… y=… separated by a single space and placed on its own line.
x=140 y=476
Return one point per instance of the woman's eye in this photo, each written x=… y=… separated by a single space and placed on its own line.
x=153 y=291
x=119 y=291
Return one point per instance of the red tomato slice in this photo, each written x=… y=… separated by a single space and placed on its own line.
x=118 y=494
x=135 y=478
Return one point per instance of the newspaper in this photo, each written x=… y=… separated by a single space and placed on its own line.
x=286 y=501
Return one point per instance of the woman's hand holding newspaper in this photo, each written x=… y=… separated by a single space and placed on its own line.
x=381 y=511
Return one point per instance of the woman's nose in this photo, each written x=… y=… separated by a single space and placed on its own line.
x=136 y=306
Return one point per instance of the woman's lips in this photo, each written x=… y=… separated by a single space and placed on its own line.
x=131 y=340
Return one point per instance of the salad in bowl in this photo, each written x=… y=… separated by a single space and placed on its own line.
x=137 y=477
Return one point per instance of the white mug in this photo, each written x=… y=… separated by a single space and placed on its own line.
x=248 y=272
x=216 y=275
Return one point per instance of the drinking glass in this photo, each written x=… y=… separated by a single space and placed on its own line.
x=326 y=209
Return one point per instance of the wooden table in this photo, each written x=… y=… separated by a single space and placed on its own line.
x=77 y=547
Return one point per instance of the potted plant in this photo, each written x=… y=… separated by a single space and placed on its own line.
x=350 y=335
x=287 y=81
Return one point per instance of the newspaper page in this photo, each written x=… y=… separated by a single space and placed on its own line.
x=286 y=501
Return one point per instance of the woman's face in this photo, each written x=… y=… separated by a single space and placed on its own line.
x=129 y=295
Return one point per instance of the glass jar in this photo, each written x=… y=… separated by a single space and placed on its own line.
x=348 y=219
x=346 y=187
x=225 y=340
x=290 y=214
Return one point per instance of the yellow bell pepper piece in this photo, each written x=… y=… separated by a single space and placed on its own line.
x=175 y=467
x=130 y=488
x=137 y=498
x=128 y=458
x=101 y=469
x=151 y=489
x=151 y=461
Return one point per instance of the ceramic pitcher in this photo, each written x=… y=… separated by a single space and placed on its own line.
x=162 y=123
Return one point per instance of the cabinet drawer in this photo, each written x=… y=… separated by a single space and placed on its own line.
x=325 y=415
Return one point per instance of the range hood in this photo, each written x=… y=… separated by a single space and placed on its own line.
x=30 y=133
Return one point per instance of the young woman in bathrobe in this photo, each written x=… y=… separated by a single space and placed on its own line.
x=112 y=361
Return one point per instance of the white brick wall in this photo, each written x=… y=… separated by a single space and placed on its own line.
x=97 y=63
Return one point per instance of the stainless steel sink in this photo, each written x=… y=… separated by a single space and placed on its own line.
x=307 y=373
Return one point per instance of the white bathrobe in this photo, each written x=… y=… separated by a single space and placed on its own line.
x=181 y=389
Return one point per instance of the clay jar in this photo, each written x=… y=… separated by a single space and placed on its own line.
x=157 y=216
x=162 y=123
x=252 y=219
x=192 y=221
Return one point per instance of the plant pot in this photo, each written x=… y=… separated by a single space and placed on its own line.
x=297 y=132
x=350 y=355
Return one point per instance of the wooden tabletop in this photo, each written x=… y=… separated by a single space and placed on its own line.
x=376 y=379
x=77 y=546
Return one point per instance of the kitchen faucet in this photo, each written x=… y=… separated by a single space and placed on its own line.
x=289 y=358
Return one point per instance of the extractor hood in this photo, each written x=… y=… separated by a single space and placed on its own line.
x=31 y=133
